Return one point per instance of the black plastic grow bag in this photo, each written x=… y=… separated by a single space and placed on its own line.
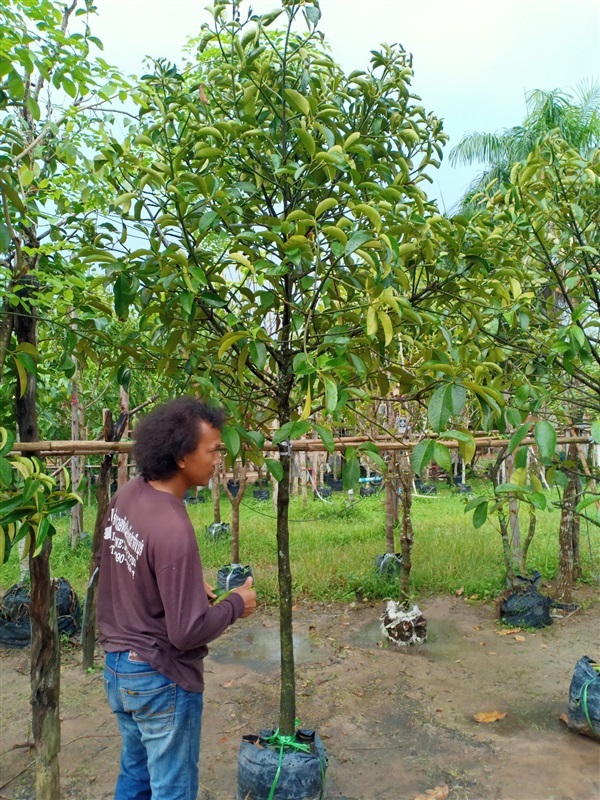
x=529 y=609
x=584 y=698
x=231 y=576
x=15 y=625
x=268 y=770
x=389 y=564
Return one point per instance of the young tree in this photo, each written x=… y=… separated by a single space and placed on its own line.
x=310 y=181
x=45 y=82
x=542 y=227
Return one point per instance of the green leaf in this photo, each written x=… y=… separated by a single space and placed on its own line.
x=293 y=429
x=326 y=437
x=232 y=441
x=442 y=457
x=297 y=101
x=474 y=502
x=459 y=436
x=275 y=468
x=513 y=417
x=357 y=240
x=511 y=488
x=588 y=500
x=371 y=449
x=5 y=238
x=538 y=499
x=326 y=205
x=545 y=438
x=351 y=473
x=480 y=515
x=63 y=505
x=518 y=436
x=7 y=440
x=595 y=431
x=446 y=402
x=331 y=394
x=44 y=529
x=6 y=472
x=422 y=454
x=521 y=458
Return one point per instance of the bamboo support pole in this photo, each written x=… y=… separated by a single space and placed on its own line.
x=67 y=448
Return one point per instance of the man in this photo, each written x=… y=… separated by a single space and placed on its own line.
x=154 y=615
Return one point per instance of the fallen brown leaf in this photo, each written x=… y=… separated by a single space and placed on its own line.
x=489 y=716
x=519 y=638
x=222 y=740
x=564 y=718
x=477 y=627
x=508 y=631
x=474 y=597
x=439 y=793
x=460 y=591
x=228 y=685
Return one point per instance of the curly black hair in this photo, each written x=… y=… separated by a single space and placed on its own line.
x=170 y=432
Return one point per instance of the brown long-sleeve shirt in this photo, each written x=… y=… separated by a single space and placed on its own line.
x=151 y=595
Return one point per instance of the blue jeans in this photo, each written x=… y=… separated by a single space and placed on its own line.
x=160 y=726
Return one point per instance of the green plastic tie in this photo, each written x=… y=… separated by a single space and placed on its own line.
x=281 y=741
x=584 y=704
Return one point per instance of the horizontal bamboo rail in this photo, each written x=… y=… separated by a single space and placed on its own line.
x=92 y=448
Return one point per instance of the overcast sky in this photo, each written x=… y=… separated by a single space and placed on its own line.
x=474 y=60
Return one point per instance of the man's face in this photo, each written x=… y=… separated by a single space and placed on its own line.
x=199 y=466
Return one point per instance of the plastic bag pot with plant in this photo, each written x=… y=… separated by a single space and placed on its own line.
x=232 y=576
x=218 y=530
x=15 y=625
x=275 y=767
x=389 y=565
x=584 y=698
x=403 y=627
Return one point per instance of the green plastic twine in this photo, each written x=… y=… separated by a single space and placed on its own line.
x=281 y=741
x=583 y=704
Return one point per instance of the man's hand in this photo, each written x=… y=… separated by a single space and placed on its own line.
x=210 y=592
x=248 y=596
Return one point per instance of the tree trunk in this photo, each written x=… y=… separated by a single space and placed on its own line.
x=45 y=645
x=236 y=501
x=513 y=515
x=216 y=495
x=303 y=470
x=88 y=625
x=406 y=541
x=45 y=676
x=529 y=538
x=123 y=463
x=76 y=461
x=390 y=545
x=566 y=556
x=287 y=710
x=507 y=551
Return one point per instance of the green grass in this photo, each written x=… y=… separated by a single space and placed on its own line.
x=333 y=548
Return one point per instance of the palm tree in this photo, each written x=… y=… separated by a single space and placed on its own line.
x=576 y=117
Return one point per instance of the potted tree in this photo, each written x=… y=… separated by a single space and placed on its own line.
x=290 y=242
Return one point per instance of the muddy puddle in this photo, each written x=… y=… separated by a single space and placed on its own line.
x=260 y=648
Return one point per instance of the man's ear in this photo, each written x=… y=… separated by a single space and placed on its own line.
x=180 y=462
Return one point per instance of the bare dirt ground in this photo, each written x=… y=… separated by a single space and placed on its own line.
x=396 y=722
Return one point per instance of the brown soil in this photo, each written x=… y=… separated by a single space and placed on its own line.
x=396 y=722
